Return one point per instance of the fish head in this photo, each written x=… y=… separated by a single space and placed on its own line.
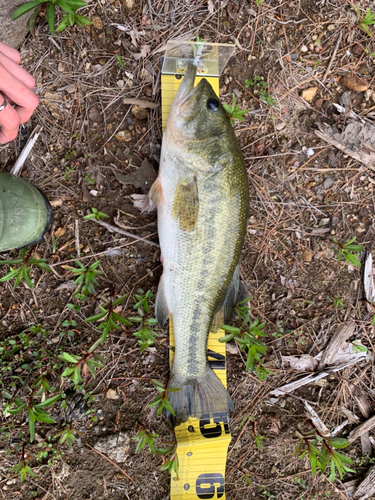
x=196 y=117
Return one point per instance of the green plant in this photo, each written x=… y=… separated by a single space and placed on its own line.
x=368 y=20
x=35 y=411
x=88 y=178
x=85 y=278
x=23 y=469
x=23 y=272
x=358 y=347
x=81 y=365
x=247 y=336
x=161 y=400
x=145 y=437
x=258 y=2
x=67 y=435
x=337 y=302
x=234 y=112
x=70 y=8
x=300 y=481
x=171 y=465
x=68 y=170
x=346 y=250
x=96 y=215
x=120 y=61
x=108 y=318
x=260 y=87
x=322 y=454
x=145 y=335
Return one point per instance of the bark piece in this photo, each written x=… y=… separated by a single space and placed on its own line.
x=365 y=408
x=367 y=487
x=361 y=429
x=341 y=335
x=356 y=140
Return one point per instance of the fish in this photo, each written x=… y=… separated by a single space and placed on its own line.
x=202 y=201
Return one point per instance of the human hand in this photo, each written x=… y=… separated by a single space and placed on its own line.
x=16 y=86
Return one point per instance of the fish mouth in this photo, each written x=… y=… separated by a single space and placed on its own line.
x=188 y=97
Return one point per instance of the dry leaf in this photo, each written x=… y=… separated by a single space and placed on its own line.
x=352 y=82
x=145 y=50
x=307 y=255
x=305 y=362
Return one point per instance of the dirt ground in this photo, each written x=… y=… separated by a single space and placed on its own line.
x=303 y=193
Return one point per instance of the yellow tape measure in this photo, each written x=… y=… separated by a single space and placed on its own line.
x=169 y=86
x=202 y=445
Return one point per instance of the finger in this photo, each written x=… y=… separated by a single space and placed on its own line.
x=16 y=71
x=13 y=54
x=9 y=123
x=26 y=101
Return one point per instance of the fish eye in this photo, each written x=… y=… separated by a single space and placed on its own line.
x=213 y=104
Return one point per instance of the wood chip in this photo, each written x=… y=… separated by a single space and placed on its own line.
x=309 y=94
x=342 y=334
x=140 y=102
x=361 y=429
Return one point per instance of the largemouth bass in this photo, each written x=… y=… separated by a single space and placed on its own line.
x=202 y=199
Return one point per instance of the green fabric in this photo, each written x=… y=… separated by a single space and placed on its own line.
x=23 y=212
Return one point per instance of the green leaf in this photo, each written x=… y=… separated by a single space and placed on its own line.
x=70 y=358
x=97 y=317
x=48 y=402
x=313 y=462
x=26 y=7
x=31 y=423
x=15 y=411
x=76 y=4
x=65 y=7
x=43 y=416
x=64 y=23
x=227 y=338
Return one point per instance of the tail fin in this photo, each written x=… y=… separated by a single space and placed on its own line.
x=198 y=397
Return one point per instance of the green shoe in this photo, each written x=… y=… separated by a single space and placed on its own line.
x=25 y=213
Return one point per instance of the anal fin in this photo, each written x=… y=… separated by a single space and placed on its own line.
x=185 y=204
x=161 y=308
x=224 y=315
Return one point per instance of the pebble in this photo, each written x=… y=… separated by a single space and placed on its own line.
x=328 y=182
x=112 y=394
x=128 y=4
x=139 y=113
x=331 y=27
x=97 y=22
x=304 y=48
x=309 y=94
x=123 y=136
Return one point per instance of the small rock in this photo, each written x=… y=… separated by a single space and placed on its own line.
x=309 y=152
x=293 y=57
x=352 y=82
x=59 y=232
x=309 y=94
x=95 y=115
x=123 y=136
x=345 y=100
x=231 y=348
x=97 y=22
x=100 y=414
x=331 y=27
x=112 y=394
x=128 y=4
x=328 y=182
x=120 y=84
x=61 y=67
x=307 y=255
x=139 y=113
x=303 y=48
x=116 y=446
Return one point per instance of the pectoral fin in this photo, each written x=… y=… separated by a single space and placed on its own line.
x=185 y=204
x=148 y=203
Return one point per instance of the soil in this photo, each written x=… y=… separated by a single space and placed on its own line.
x=303 y=193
